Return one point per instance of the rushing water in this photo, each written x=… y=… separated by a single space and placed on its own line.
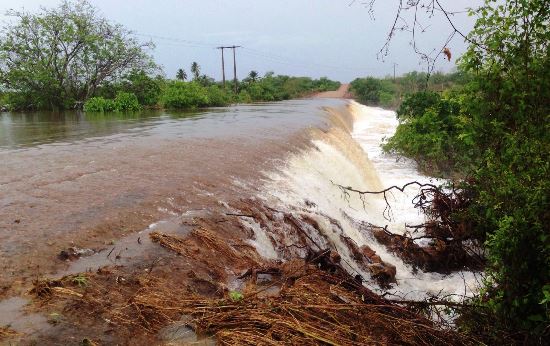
x=64 y=174
x=309 y=176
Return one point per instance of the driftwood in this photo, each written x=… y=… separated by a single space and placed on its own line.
x=453 y=244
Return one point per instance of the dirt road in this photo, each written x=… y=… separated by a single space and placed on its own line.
x=341 y=93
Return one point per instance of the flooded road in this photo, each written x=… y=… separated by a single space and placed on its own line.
x=80 y=180
x=260 y=178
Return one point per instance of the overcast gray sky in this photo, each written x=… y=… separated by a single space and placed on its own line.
x=296 y=37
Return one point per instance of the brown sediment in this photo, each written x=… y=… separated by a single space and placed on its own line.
x=6 y=332
x=308 y=298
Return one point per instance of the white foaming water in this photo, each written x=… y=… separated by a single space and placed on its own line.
x=309 y=175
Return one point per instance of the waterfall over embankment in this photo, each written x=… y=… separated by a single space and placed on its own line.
x=305 y=194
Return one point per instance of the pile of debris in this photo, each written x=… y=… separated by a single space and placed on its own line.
x=302 y=301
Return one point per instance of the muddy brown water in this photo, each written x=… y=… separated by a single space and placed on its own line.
x=93 y=181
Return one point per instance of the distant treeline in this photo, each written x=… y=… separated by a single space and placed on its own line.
x=139 y=90
x=79 y=59
x=390 y=93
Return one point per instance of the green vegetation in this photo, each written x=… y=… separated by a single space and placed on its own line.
x=236 y=296
x=71 y=57
x=80 y=280
x=495 y=131
x=179 y=94
x=59 y=57
x=123 y=102
x=203 y=91
x=389 y=93
x=431 y=132
x=181 y=74
x=280 y=87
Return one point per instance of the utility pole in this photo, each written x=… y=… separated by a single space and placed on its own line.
x=394 y=65
x=235 y=68
x=234 y=65
x=223 y=65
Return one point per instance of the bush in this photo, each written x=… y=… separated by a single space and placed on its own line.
x=387 y=99
x=244 y=97
x=185 y=95
x=367 y=90
x=325 y=84
x=99 y=104
x=146 y=89
x=433 y=138
x=415 y=105
x=218 y=97
x=123 y=102
x=280 y=87
x=501 y=131
x=126 y=102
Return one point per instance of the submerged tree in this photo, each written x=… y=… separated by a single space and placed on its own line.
x=181 y=74
x=62 y=55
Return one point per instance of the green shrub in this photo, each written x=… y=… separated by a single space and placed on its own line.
x=123 y=102
x=126 y=102
x=415 y=105
x=281 y=87
x=497 y=131
x=435 y=138
x=244 y=97
x=99 y=104
x=367 y=90
x=387 y=99
x=217 y=97
x=185 y=95
x=325 y=84
x=146 y=89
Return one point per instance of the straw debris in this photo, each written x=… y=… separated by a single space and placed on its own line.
x=305 y=301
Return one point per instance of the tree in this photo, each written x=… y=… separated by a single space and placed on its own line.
x=253 y=76
x=181 y=74
x=195 y=70
x=367 y=90
x=205 y=81
x=509 y=106
x=146 y=88
x=499 y=128
x=62 y=55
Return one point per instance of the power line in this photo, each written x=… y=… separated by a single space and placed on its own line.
x=257 y=53
x=177 y=40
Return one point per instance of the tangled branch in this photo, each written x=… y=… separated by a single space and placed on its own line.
x=402 y=22
x=453 y=244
